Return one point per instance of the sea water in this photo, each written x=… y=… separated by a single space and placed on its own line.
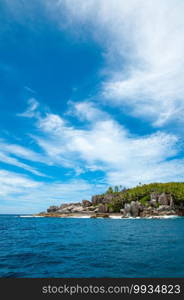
x=117 y=248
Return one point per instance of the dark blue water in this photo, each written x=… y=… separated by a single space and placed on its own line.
x=54 y=247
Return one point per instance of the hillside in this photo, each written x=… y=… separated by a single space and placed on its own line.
x=144 y=194
x=148 y=200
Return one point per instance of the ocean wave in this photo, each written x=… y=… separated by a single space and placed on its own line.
x=31 y=216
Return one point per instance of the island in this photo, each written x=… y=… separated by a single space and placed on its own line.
x=155 y=200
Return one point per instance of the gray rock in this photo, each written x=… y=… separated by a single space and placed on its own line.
x=127 y=208
x=165 y=199
x=147 y=212
x=126 y=215
x=134 y=210
x=103 y=208
x=52 y=209
x=86 y=203
x=63 y=205
x=171 y=202
x=163 y=208
x=91 y=208
x=154 y=196
x=77 y=209
x=101 y=199
x=108 y=198
x=153 y=202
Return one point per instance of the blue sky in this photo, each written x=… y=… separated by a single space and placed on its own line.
x=91 y=95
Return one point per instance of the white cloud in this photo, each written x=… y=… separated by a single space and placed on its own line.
x=51 y=123
x=21 y=152
x=27 y=88
x=86 y=111
x=107 y=146
x=149 y=171
x=20 y=194
x=144 y=45
x=31 y=110
x=63 y=192
x=14 y=183
x=5 y=158
x=13 y=154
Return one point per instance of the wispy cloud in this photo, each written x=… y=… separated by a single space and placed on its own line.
x=31 y=111
x=86 y=111
x=27 y=88
x=7 y=159
x=15 y=155
x=20 y=194
x=13 y=183
x=143 y=45
x=107 y=146
x=143 y=42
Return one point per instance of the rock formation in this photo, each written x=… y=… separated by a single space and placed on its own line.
x=86 y=203
x=124 y=203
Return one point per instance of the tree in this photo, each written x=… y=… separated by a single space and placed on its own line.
x=116 y=189
x=110 y=190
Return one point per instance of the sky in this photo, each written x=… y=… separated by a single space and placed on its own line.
x=91 y=96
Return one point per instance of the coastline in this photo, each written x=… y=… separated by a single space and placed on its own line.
x=110 y=216
x=150 y=201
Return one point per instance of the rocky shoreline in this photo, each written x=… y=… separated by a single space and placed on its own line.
x=105 y=206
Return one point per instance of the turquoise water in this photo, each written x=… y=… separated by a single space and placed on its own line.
x=55 y=247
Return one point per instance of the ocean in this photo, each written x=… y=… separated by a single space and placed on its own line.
x=82 y=248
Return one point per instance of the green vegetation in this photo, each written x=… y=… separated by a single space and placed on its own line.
x=110 y=190
x=142 y=192
x=115 y=205
x=144 y=200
